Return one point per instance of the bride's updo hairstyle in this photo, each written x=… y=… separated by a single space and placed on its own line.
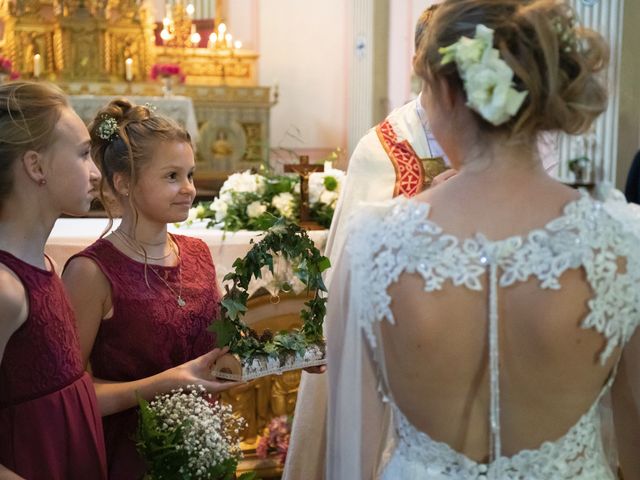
x=124 y=137
x=555 y=60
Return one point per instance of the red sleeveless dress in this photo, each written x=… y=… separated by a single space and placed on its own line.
x=148 y=331
x=50 y=425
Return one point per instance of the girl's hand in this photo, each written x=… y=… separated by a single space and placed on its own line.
x=198 y=372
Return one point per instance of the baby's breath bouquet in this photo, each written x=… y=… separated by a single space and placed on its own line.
x=185 y=435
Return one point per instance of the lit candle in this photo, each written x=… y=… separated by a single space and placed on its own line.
x=237 y=44
x=128 y=69
x=328 y=165
x=228 y=40
x=213 y=38
x=37 y=67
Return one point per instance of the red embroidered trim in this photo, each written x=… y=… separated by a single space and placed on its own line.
x=408 y=167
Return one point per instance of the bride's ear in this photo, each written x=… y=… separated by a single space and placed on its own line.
x=449 y=96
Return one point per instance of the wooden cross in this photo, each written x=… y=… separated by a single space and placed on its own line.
x=304 y=169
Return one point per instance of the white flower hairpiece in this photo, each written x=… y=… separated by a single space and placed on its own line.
x=487 y=79
x=107 y=128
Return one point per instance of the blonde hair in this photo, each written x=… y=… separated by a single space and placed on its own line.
x=556 y=62
x=137 y=136
x=29 y=113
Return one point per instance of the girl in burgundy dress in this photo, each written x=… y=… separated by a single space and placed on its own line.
x=143 y=298
x=50 y=426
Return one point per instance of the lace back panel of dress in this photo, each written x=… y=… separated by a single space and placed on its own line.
x=388 y=242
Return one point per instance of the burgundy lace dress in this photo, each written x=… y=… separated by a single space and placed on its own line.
x=148 y=331
x=50 y=426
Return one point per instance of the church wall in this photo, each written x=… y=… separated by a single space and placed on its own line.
x=403 y=85
x=303 y=49
x=629 y=115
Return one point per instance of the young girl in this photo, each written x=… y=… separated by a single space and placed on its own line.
x=143 y=298
x=49 y=420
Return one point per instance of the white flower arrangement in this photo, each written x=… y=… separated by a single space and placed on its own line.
x=488 y=79
x=252 y=201
x=184 y=434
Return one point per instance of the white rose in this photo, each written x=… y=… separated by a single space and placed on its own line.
x=220 y=207
x=245 y=182
x=489 y=90
x=255 y=209
x=193 y=214
x=329 y=197
x=284 y=203
x=316 y=187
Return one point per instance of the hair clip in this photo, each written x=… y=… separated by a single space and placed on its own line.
x=567 y=37
x=151 y=107
x=107 y=128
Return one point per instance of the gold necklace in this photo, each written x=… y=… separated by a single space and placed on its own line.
x=132 y=244
x=181 y=301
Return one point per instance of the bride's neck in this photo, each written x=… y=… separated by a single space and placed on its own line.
x=499 y=158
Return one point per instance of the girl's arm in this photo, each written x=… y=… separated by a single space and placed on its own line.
x=90 y=295
x=13 y=313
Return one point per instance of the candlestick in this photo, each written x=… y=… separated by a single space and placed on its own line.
x=37 y=67
x=128 y=69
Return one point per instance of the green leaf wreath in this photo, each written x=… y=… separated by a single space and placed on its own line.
x=293 y=243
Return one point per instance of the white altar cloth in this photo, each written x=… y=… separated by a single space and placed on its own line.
x=70 y=235
x=177 y=107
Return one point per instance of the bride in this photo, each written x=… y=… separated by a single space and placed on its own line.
x=482 y=322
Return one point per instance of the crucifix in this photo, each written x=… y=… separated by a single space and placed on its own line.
x=304 y=169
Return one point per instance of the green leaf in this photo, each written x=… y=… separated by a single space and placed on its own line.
x=234 y=308
x=324 y=264
x=225 y=332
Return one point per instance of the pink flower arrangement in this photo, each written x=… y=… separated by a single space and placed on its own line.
x=167 y=70
x=6 y=68
x=5 y=64
x=276 y=439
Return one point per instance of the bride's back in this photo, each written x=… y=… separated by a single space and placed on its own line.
x=495 y=306
x=436 y=354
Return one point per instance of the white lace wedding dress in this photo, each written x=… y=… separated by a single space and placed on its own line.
x=398 y=237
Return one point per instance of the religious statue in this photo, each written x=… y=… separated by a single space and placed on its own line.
x=222 y=148
x=284 y=391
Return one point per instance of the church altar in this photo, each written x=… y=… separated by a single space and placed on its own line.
x=179 y=108
x=257 y=401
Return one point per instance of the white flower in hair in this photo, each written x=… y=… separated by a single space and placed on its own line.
x=107 y=128
x=488 y=79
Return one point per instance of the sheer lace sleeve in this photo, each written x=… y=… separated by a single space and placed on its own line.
x=357 y=416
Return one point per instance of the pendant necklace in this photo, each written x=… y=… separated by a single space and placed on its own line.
x=181 y=301
x=132 y=244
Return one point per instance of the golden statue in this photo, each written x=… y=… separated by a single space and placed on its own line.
x=222 y=148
